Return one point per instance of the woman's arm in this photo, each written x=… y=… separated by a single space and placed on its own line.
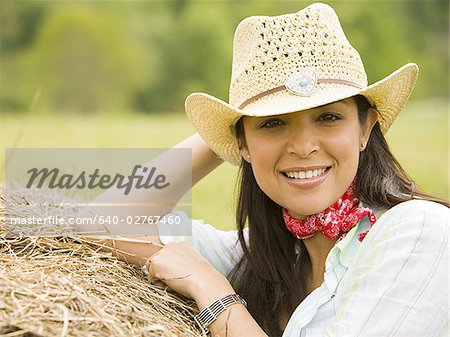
x=203 y=159
x=138 y=249
x=179 y=174
x=235 y=321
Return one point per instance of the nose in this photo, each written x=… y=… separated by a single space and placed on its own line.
x=302 y=140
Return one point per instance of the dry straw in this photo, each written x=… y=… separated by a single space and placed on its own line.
x=70 y=286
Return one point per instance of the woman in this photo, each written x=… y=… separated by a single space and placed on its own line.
x=339 y=241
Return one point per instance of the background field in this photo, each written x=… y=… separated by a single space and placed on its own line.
x=419 y=138
x=116 y=74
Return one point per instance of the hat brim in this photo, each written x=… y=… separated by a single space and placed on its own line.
x=215 y=119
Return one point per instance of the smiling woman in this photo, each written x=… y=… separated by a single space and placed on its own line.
x=333 y=238
x=304 y=162
x=327 y=140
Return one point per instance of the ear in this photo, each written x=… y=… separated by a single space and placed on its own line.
x=245 y=154
x=242 y=143
x=372 y=118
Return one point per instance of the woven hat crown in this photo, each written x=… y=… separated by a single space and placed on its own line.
x=268 y=49
x=290 y=63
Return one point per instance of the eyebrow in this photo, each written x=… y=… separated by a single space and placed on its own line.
x=343 y=101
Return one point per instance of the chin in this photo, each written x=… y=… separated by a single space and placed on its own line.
x=306 y=207
x=302 y=213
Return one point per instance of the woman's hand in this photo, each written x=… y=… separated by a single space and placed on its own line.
x=184 y=270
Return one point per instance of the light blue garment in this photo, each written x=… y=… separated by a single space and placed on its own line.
x=394 y=283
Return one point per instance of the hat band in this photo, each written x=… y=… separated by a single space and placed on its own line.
x=283 y=87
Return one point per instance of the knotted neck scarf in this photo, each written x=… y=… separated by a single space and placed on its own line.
x=335 y=221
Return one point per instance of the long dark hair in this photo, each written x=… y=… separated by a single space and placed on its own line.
x=270 y=276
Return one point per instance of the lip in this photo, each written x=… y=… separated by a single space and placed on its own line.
x=305 y=168
x=306 y=183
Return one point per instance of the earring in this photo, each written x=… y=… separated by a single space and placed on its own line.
x=363 y=145
x=248 y=156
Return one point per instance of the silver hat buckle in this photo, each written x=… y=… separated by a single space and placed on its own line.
x=302 y=83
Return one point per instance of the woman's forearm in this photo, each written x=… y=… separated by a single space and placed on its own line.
x=203 y=159
x=180 y=173
x=235 y=321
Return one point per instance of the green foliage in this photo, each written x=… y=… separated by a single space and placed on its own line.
x=75 y=60
x=389 y=34
x=149 y=55
x=19 y=23
x=191 y=55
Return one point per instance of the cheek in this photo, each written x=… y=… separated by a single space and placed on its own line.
x=264 y=158
x=346 y=153
x=263 y=161
x=262 y=151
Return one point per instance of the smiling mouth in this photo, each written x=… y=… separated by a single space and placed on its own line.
x=309 y=174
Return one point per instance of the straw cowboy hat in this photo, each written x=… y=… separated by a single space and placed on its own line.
x=289 y=63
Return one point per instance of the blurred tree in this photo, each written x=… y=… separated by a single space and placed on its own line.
x=148 y=55
x=429 y=36
x=393 y=33
x=83 y=61
x=201 y=53
x=19 y=23
x=192 y=53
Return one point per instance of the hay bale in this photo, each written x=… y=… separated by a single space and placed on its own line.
x=67 y=286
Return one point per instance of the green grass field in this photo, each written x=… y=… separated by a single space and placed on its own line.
x=419 y=139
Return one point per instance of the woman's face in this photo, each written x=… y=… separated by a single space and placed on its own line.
x=305 y=161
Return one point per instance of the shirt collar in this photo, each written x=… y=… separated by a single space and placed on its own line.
x=346 y=248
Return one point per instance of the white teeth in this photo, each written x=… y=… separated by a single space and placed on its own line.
x=305 y=174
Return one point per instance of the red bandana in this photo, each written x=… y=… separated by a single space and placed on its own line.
x=336 y=220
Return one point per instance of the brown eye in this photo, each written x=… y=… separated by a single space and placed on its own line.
x=271 y=123
x=330 y=117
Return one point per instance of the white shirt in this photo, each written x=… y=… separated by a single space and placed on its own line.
x=394 y=283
